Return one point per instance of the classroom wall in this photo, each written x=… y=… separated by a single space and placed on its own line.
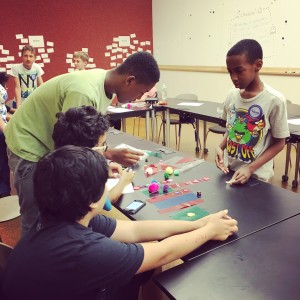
x=195 y=36
x=70 y=25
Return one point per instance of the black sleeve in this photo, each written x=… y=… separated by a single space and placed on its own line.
x=104 y=225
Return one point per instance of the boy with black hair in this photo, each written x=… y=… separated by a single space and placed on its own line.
x=256 y=118
x=74 y=252
x=29 y=133
x=84 y=126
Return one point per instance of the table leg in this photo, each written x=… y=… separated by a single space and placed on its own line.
x=295 y=181
x=167 y=130
x=153 y=120
x=147 y=125
x=123 y=124
x=285 y=177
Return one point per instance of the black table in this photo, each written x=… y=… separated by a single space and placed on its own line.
x=255 y=205
x=207 y=112
x=144 y=111
x=263 y=265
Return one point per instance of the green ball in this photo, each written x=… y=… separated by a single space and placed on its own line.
x=176 y=172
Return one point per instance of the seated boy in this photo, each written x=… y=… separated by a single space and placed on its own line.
x=84 y=126
x=74 y=252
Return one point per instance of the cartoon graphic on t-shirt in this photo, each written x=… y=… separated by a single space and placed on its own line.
x=245 y=130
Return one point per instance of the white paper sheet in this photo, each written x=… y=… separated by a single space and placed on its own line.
x=111 y=182
x=294 y=121
x=190 y=103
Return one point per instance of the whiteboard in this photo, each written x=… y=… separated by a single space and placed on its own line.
x=200 y=32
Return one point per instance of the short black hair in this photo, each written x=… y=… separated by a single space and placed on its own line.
x=142 y=65
x=79 y=126
x=67 y=180
x=251 y=48
x=3 y=78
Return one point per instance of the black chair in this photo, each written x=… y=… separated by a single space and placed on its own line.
x=217 y=129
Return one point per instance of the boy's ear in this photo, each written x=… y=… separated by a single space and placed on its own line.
x=258 y=64
x=130 y=80
x=94 y=205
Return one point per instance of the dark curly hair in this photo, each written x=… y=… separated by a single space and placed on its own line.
x=251 y=48
x=79 y=126
x=3 y=78
x=143 y=66
x=67 y=181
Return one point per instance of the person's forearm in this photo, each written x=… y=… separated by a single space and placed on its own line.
x=18 y=96
x=223 y=143
x=269 y=154
x=116 y=192
x=174 y=247
x=2 y=125
x=143 y=231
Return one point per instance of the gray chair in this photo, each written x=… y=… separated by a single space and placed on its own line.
x=180 y=119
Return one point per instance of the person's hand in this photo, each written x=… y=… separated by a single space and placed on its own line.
x=219 y=160
x=126 y=176
x=241 y=176
x=114 y=170
x=125 y=157
x=221 y=225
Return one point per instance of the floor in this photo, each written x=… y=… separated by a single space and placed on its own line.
x=10 y=231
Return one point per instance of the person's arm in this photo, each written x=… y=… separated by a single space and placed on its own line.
x=218 y=227
x=219 y=159
x=243 y=174
x=40 y=81
x=125 y=157
x=17 y=92
x=117 y=190
x=2 y=125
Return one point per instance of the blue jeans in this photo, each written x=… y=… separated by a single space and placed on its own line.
x=4 y=168
x=23 y=181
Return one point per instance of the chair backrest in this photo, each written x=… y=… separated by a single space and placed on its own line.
x=187 y=97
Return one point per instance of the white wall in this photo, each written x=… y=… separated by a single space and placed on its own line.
x=203 y=42
x=214 y=86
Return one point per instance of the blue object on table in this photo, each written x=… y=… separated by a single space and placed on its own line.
x=107 y=206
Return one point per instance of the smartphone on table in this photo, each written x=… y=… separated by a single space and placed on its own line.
x=135 y=206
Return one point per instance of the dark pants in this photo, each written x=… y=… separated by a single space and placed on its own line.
x=4 y=168
x=23 y=181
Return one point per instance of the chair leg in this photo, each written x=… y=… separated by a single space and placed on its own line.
x=133 y=128
x=139 y=123
x=175 y=135
x=179 y=136
x=158 y=137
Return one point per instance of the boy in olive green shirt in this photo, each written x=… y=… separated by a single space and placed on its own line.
x=29 y=132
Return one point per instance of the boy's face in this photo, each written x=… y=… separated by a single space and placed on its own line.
x=242 y=72
x=102 y=141
x=79 y=63
x=132 y=90
x=28 y=58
